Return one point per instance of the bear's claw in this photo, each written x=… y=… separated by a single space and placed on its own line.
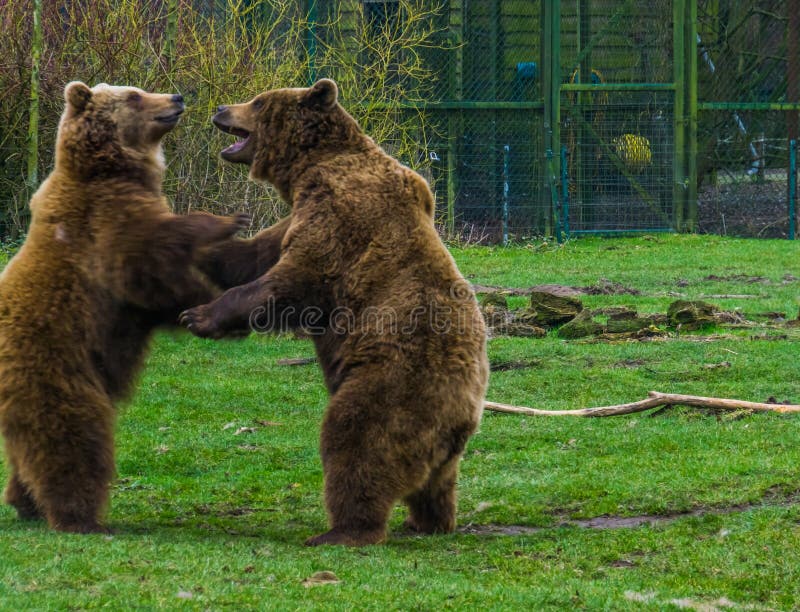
x=199 y=323
x=242 y=221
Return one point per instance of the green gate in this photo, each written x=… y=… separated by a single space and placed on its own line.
x=563 y=117
x=615 y=115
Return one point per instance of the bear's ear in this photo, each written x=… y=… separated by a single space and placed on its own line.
x=77 y=95
x=321 y=96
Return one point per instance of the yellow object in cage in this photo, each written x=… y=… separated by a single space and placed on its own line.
x=634 y=151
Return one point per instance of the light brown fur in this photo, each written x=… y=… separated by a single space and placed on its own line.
x=407 y=377
x=104 y=263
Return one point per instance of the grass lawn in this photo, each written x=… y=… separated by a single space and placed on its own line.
x=219 y=480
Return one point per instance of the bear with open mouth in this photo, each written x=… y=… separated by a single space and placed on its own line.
x=397 y=329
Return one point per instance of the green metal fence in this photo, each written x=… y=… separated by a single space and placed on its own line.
x=601 y=116
x=747 y=92
x=528 y=117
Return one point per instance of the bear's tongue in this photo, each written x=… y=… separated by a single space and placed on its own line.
x=236 y=146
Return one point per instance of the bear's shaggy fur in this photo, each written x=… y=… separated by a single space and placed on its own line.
x=104 y=263
x=397 y=329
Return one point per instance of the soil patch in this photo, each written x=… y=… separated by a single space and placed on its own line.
x=772 y=498
x=505 y=366
x=739 y=278
x=748 y=209
x=601 y=287
x=607 y=287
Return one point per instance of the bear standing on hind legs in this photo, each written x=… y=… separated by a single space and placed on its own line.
x=105 y=262
x=397 y=329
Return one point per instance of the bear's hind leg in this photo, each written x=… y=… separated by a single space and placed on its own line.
x=18 y=495
x=69 y=466
x=74 y=501
x=359 y=503
x=432 y=509
x=363 y=477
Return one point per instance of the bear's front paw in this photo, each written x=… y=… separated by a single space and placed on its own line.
x=233 y=224
x=200 y=322
x=242 y=221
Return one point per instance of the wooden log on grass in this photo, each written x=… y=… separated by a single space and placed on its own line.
x=654 y=400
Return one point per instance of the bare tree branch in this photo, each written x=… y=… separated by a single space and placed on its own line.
x=653 y=400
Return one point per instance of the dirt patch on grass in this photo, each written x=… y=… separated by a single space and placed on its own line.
x=601 y=287
x=607 y=287
x=223 y=510
x=630 y=363
x=773 y=498
x=744 y=208
x=739 y=278
x=599 y=522
x=505 y=366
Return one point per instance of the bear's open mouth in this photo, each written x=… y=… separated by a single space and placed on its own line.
x=242 y=137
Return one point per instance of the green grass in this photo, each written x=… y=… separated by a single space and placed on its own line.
x=208 y=519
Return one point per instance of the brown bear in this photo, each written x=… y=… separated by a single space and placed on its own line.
x=397 y=330
x=104 y=263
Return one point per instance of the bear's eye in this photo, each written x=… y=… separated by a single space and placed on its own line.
x=134 y=97
x=257 y=104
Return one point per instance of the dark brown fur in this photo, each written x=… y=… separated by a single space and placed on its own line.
x=404 y=399
x=238 y=261
x=104 y=263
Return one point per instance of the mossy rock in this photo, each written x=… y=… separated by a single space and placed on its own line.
x=620 y=321
x=618 y=313
x=495 y=299
x=627 y=325
x=549 y=309
x=522 y=330
x=495 y=316
x=691 y=314
x=526 y=317
x=580 y=326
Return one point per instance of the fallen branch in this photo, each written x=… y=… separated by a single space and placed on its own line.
x=297 y=362
x=653 y=400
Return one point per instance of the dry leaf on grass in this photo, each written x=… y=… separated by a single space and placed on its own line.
x=321 y=579
x=267 y=423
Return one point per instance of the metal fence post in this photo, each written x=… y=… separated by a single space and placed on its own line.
x=563 y=216
x=551 y=92
x=679 y=121
x=691 y=144
x=583 y=160
x=506 y=194
x=792 y=95
x=792 y=188
x=455 y=124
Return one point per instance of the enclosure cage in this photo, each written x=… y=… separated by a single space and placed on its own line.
x=528 y=117
x=581 y=116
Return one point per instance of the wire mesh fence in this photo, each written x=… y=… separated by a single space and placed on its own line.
x=618 y=162
x=746 y=72
x=528 y=117
x=487 y=172
x=743 y=179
